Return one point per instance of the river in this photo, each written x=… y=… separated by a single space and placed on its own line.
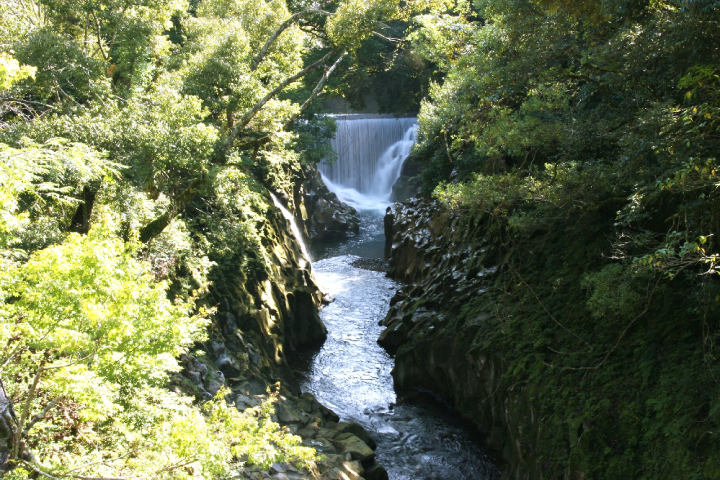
x=417 y=439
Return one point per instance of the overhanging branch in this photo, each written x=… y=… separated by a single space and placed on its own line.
x=283 y=26
x=261 y=103
x=154 y=228
x=315 y=93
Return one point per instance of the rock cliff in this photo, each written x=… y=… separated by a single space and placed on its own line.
x=324 y=216
x=503 y=321
x=446 y=264
x=266 y=313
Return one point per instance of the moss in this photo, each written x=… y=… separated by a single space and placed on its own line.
x=712 y=466
x=616 y=378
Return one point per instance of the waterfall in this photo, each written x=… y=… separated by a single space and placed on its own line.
x=293 y=226
x=371 y=150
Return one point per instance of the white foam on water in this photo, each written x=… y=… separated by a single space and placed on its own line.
x=356 y=199
x=371 y=152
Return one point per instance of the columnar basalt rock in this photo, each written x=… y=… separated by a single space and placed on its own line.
x=409 y=184
x=447 y=262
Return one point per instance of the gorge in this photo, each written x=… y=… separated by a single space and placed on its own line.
x=211 y=269
x=416 y=439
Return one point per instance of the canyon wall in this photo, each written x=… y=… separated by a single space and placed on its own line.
x=446 y=263
x=505 y=324
x=268 y=311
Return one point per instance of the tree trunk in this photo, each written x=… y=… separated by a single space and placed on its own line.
x=9 y=434
x=80 y=222
x=155 y=228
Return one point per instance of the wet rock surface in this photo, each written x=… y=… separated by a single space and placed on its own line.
x=447 y=263
x=326 y=217
x=374 y=264
x=409 y=183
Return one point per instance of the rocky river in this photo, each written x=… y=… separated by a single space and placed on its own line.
x=417 y=436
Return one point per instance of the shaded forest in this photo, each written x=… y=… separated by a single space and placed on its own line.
x=578 y=143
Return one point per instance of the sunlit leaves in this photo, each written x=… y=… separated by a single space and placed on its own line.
x=12 y=72
x=42 y=179
x=143 y=91
x=253 y=434
x=89 y=298
x=65 y=72
x=355 y=20
x=89 y=320
x=224 y=38
x=441 y=39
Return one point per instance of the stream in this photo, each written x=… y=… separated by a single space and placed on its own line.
x=418 y=439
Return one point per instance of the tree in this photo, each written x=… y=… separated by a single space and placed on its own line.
x=583 y=138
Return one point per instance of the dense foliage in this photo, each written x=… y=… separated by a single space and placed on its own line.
x=138 y=140
x=585 y=137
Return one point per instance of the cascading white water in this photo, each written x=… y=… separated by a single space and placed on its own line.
x=293 y=226
x=371 y=150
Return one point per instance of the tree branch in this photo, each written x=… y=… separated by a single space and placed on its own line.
x=261 y=103
x=70 y=473
x=18 y=349
x=390 y=39
x=283 y=26
x=312 y=32
x=97 y=33
x=175 y=466
x=315 y=93
x=41 y=415
x=154 y=228
x=37 y=470
x=82 y=477
x=23 y=417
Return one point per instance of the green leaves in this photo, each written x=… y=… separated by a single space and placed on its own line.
x=44 y=179
x=355 y=20
x=65 y=72
x=254 y=435
x=90 y=323
x=12 y=72
x=88 y=299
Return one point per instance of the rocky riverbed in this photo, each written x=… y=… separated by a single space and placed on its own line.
x=417 y=435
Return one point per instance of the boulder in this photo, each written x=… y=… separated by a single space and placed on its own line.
x=349 y=443
x=375 y=471
x=327 y=217
x=355 y=429
x=393 y=336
